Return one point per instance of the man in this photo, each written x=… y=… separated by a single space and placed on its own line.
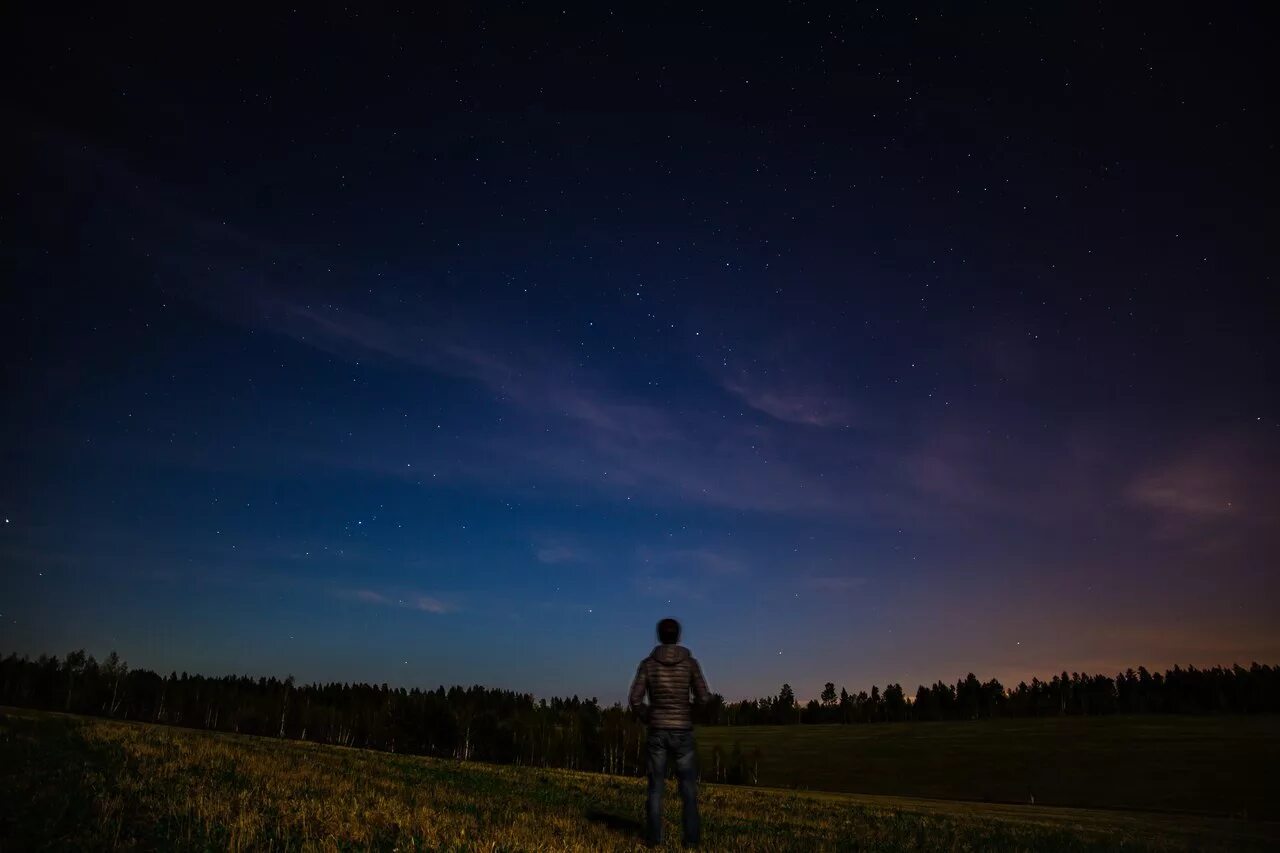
x=669 y=675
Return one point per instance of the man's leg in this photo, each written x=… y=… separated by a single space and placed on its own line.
x=657 y=747
x=687 y=771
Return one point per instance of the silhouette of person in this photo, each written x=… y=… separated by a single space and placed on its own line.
x=669 y=675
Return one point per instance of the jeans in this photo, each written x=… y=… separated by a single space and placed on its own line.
x=677 y=744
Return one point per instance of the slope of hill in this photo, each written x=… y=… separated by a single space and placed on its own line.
x=78 y=783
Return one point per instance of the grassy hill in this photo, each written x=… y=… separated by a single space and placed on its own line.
x=1223 y=766
x=73 y=783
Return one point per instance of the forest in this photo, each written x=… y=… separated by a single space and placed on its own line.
x=502 y=726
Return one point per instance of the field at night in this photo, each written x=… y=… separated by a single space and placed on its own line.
x=434 y=427
x=1223 y=765
x=76 y=783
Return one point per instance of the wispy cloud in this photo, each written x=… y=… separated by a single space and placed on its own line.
x=1216 y=493
x=576 y=427
x=556 y=552
x=429 y=604
x=587 y=433
x=1192 y=487
x=970 y=472
x=787 y=401
x=407 y=601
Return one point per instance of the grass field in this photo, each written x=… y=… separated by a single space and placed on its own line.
x=1226 y=766
x=70 y=783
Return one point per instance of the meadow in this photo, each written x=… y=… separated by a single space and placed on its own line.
x=71 y=783
x=1210 y=765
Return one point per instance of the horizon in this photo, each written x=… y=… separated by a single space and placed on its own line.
x=461 y=346
x=909 y=692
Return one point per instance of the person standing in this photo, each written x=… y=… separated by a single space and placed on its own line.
x=670 y=675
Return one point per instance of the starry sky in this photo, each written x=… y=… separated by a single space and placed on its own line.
x=459 y=346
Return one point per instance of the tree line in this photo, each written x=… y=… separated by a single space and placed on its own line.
x=502 y=726
x=465 y=723
x=1217 y=690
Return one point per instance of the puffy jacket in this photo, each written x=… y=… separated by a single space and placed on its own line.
x=669 y=675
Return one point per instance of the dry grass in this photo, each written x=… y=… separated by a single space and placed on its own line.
x=71 y=783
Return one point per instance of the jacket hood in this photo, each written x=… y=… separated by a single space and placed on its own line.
x=670 y=655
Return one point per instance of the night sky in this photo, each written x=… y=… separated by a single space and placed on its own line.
x=459 y=347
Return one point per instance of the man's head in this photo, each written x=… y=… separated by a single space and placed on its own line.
x=669 y=631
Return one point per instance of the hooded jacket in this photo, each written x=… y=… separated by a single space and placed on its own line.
x=669 y=675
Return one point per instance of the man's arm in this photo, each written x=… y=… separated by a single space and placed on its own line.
x=636 y=698
x=701 y=694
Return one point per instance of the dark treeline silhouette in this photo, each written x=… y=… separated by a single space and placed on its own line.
x=472 y=723
x=502 y=726
x=1219 y=690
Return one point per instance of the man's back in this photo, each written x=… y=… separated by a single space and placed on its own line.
x=670 y=674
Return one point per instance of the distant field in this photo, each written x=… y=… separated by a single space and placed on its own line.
x=1206 y=765
x=69 y=783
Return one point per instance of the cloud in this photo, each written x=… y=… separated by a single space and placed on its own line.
x=970 y=472
x=575 y=427
x=428 y=604
x=1193 y=487
x=406 y=601
x=1212 y=483
x=586 y=432
x=797 y=405
x=555 y=553
x=966 y=472
x=1215 y=494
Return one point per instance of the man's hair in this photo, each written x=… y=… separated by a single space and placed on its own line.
x=669 y=631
